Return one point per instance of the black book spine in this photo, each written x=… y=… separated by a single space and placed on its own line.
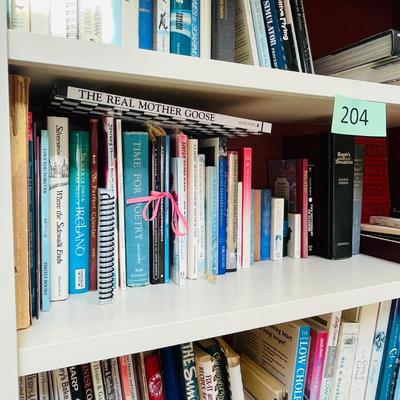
x=303 y=42
x=310 y=208
x=107 y=379
x=223 y=30
x=76 y=383
x=87 y=381
x=154 y=227
x=161 y=212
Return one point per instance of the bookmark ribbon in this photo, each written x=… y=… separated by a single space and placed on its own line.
x=157 y=198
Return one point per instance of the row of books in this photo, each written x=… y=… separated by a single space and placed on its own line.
x=208 y=369
x=267 y=33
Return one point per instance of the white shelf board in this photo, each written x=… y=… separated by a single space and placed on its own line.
x=247 y=91
x=80 y=330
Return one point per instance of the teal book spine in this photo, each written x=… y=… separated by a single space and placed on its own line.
x=136 y=184
x=44 y=220
x=303 y=347
x=79 y=210
x=181 y=27
x=195 y=33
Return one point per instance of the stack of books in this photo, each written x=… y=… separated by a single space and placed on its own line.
x=267 y=33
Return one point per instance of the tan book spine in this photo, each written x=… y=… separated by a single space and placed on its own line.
x=19 y=97
x=257 y=225
x=232 y=218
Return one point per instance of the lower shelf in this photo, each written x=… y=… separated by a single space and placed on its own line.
x=79 y=330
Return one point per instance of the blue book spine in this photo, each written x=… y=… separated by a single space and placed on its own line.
x=272 y=28
x=299 y=378
x=146 y=24
x=166 y=209
x=181 y=27
x=44 y=220
x=116 y=13
x=79 y=210
x=170 y=372
x=390 y=353
x=136 y=184
x=195 y=34
x=222 y=213
x=32 y=228
x=397 y=392
x=265 y=224
x=259 y=31
x=252 y=229
x=214 y=232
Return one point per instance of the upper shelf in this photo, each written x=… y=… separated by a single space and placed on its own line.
x=80 y=330
x=235 y=89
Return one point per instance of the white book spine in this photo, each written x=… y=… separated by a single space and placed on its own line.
x=19 y=15
x=121 y=207
x=235 y=382
x=277 y=215
x=22 y=388
x=90 y=20
x=97 y=378
x=72 y=19
x=132 y=377
x=43 y=381
x=130 y=23
x=377 y=349
x=209 y=221
x=206 y=378
x=344 y=361
x=239 y=226
x=362 y=358
x=245 y=40
x=40 y=16
x=205 y=28
x=116 y=379
x=31 y=387
x=193 y=234
x=61 y=384
x=333 y=327
x=201 y=217
x=162 y=25
x=294 y=244
x=59 y=210
x=58 y=20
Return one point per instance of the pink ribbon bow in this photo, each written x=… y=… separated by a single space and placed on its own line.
x=157 y=197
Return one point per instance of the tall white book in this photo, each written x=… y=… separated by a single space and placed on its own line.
x=64 y=18
x=40 y=16
x=59 y=211
x=205 y=28
x=377 y=348
x=277 y=215
x=130 y=23
x=201 y=217
x=239 y=225
x=161 y=25
x=193 y=231
x=90 y=20
x=366 y=316
x=19 y=15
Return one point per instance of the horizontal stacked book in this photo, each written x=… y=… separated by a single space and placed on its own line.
x=266 y=33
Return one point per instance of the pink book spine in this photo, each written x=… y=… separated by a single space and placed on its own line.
x=316 y=364
x=246 y=153
x=303 y=168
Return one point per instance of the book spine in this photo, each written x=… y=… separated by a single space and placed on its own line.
x=40 y=14
x=252 y=229
x=292 y=36
x=232 y=217
x=357 y=195
x=58 y=18
x=211 y=217
x=201 y=249
x=310 y=209
x=170 y=373
x=31 y=387
x=192 y=208
x=379 y=339
x=222 y=215
x=195 y=31
x=206 y=378
x=124 y=376
x=87 y=381
x=167 y=178
x=93 y=201
x=205 y=28
x=79 y=202
x=97 y=379
x=277 y=53
x=190 y=389
x=294 y=243
x=302 y=36
x=121 y=206
x=146 y=24
x=43 y=386
x=265 y=224
x=257 y=225
x=246 y=164
x=71 y=19
x=116 y=379
x=129 y=23
x=277 y=215
x=153 y=377
x=22 y=388
x=260 y=36
x=132 y=377
x=61 y=383
x=107 y=378
x=239 y=226
x=90 y=24
x=302 y=202
x=136 y=178
x=58 y=217
x=76 y=383
x=111 y=22
x=18 y=15
x=161 y=34
x=181 y=27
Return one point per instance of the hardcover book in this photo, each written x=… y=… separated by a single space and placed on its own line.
x=357 y=195
x=18 y=15
x=181 y=27
x=201 y=217
x=232 y=228
x=265 y=224
x=161 y=25
x=211 y=217
x=43 y=386
x=257 y=225
x=155 y=385
x=90 y=20
x=116 y=380
x=195 y=31
x=97 y=379
x=107 y=378
x=146 y=24
x=188 y=370
x=170 y=372
x=277 y=229
x=76 y=383
x=223 y=30
x=61 y=384
x=130 y=23
x=166 y=188
x=239 y=225
x=207 y=379
x=87 y=381
x=40 y=15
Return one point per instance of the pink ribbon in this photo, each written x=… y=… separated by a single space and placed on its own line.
x=157 y=197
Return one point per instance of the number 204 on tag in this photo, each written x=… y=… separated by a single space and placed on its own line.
x=358 y=117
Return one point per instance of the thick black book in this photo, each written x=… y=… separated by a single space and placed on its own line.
x=76 y=382
x=333 y=157
x=223 y=30
x=87 y=381
x=310 y=208
x=108 y=383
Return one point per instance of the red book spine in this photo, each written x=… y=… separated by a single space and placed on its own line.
x=124 y=375
x=302 y=202
x=153 y=377
x=245 y=171
x=93 y=201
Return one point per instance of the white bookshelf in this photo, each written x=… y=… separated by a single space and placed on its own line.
x=79 y=330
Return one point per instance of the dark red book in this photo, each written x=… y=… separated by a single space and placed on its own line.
x=93 y=201
x=380 y=247
x=153 y=376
